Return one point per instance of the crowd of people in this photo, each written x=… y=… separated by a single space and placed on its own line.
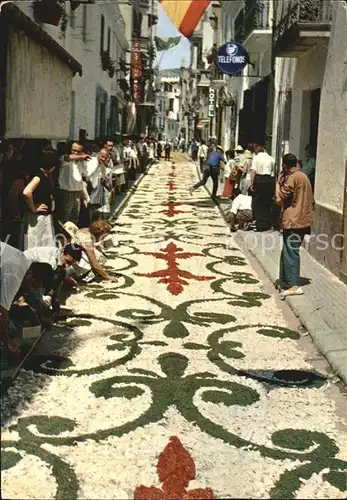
x=55 y=206
x=263 y=197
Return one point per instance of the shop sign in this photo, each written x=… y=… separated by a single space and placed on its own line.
x=136 y=71
x=211 y=102
x=232 y=58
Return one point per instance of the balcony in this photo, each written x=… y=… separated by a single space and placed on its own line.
x=217 y=78
x=303 y=26
x=257 y=33
x=203 y=80
x=144 y=44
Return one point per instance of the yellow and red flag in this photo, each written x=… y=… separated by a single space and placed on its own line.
x=185 y=14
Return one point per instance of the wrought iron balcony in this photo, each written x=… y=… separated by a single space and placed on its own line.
x=302 y=26
x=257 y=16
x=253 y=25
x=239 y=26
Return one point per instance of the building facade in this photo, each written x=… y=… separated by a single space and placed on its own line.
x=168 y=99
x=70 y=76
x=292 y=93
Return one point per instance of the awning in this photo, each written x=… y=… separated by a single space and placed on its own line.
x=11 y=14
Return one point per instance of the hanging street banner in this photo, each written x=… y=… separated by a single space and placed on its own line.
x=167 y=43
x=232 y=58
x=136 y=71
x=211 y=102
x=185 y=14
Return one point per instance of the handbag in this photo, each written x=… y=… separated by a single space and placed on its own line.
x=97 y=195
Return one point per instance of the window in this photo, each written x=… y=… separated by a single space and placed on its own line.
x=167 y=87
x=171 y=104
x=102 y=34
x=84 y=24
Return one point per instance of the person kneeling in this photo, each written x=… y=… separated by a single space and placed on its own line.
x=240 y=213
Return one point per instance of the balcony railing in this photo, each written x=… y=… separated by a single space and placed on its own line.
x=306 y=12
x=255 y=16
x=239 y=27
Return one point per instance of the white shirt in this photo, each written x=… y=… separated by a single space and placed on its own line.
x=127 y=152
x=47 y=255
x=95 y=171
x=13 y=267
x=263 y=164
x=241 y=202
x=70 y=175
x=203 y=149
x=151 y=152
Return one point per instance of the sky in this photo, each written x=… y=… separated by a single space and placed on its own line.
x=173 y=57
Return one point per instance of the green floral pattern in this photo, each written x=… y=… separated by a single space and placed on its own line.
x=137 y=363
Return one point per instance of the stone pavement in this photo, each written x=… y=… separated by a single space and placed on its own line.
x=323 y=308
x=186 y=379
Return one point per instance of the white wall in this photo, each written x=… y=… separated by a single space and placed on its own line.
x=308 y=76
x=37 y=102
x=332 y=137
x=82 y=41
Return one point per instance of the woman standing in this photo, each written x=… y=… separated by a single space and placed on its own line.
x=38 y=229
x=245 y=178
x=230 y=174
x=263 y=187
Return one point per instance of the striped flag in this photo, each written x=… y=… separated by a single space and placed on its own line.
x=185 y=14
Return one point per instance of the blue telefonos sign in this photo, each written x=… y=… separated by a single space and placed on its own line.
x=232 y=58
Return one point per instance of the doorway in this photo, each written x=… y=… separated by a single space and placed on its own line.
x=314 y=119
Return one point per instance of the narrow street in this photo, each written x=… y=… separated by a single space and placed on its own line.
x=176 y=382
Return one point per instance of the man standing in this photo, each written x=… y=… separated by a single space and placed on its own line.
x=211 y=169
x=112 y=152
x=294 y=195
x=71 y=184
x=262 y=186
x=142 y=154
x=167 y=149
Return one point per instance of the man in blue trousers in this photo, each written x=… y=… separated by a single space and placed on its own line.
x=211 y=169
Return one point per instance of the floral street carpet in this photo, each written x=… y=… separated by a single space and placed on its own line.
x=180 y=381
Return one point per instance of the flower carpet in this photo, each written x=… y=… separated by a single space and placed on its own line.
x=181 y=381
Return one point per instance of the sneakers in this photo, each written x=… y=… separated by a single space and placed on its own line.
x=294 y=290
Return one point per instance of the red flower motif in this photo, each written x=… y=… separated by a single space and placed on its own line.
x=171 y=211
x=172 y=186
x=175 y=469
x=173 y=274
